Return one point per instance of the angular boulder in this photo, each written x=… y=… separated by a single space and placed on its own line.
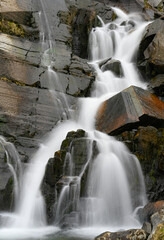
x=114 y=66
x=150 y=209
x=128 y=109
x=155 y=54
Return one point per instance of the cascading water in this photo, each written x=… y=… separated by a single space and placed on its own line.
x=14 y=164
x=111 y=197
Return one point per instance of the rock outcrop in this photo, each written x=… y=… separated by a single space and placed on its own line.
x=66 y=167
x=128 y=109
x=147 y=143
x=150 y=55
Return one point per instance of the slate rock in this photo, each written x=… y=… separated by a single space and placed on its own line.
x=114 y=66
x=128 y=109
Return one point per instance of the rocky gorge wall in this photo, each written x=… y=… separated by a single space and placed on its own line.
x=27 y=108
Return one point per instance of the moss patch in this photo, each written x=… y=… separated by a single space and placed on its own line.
x=159 y=233
x=36 y=84
x=11 y=28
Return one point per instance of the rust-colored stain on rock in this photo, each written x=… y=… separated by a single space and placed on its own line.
x=128 y=109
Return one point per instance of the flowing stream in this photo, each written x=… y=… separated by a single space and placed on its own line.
x=111 y=200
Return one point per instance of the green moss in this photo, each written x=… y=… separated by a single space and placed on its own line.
x=5 y=158
x=159 y=233
x=36 y=84
x=114 y=16
x=10 y=182
x=11 y=28
x=151 y=174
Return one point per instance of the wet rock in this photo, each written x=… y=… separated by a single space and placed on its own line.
x=114 y=66
x=8 y=196
x=65 y=168
x=126 y=5
x=150 y=57
x=5 y=176
x=129 y=113
x=157 y=85
x=155 y=3
x=158 y=234
x=81 y=22
x=147 y=144
x=133 y=234
x=150 y=209
x=53 y=173
x=154 y=212
x=157 y=218
x=82 y=25
x=154 y=53
x=147 y=227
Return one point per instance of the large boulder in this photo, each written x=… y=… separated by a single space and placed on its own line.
x=129 y=109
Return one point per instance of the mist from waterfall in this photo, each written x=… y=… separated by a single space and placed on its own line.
x=111 y=195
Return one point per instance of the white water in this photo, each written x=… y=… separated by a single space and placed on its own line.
x=14 y=164
x=110 y=201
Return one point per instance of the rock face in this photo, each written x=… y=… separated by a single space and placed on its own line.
x=69 y=161
x=150 y=55
x=128 y=109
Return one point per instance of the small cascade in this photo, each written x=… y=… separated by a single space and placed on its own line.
x=115 y=186
x=68 y=206
x=14 y=164
x=112 y=51
x=48 y=61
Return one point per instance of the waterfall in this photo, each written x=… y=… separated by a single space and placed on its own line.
x=111 y=198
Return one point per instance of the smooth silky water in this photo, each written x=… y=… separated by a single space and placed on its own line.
x=112 y=199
